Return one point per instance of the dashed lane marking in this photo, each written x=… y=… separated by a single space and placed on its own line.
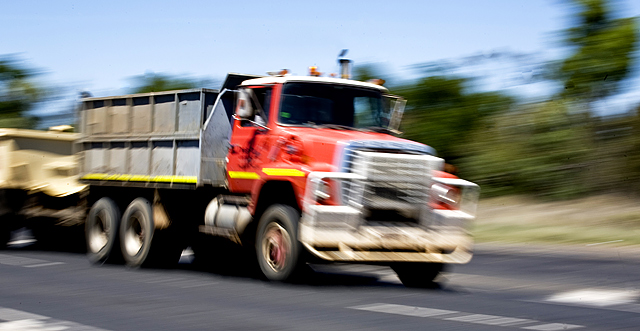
x=18 y=320
x=458 y=316
x=25 y=261
x=43 y=264
x=552 y=327
x=596 y=297
x=607 y=299
x=405 y=310
x=491 y=320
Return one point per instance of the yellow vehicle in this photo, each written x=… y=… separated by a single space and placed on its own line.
x=38 y=180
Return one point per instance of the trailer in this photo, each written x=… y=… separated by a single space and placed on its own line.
x=39 y=185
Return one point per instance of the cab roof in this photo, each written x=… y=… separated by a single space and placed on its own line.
x=311 y=79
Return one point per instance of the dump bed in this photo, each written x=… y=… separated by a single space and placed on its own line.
x=160 y=139
x=38 y=161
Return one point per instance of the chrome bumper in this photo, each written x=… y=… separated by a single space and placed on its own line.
x=340 y=233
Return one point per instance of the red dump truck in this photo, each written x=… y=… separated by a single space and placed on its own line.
x=297 y=168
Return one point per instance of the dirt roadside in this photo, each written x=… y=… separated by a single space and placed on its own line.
x=597 y=222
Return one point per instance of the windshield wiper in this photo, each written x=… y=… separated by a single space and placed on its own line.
x=380 y=129
x=336 y=127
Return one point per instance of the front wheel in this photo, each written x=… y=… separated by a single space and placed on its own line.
x=277 y=247
x=417 y=274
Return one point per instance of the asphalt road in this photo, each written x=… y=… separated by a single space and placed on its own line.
x=503 y=288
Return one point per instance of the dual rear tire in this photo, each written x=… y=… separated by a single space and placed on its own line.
x=129 y=238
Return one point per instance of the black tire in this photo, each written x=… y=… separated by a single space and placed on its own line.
x=136 y=232
x=5 y=230
x=420 y=275
x=278 y=250
x=101 y=231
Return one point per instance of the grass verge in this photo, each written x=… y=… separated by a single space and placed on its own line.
x=595 y=220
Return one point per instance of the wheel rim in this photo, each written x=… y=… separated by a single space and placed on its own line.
x=99 y=234
x=134 y=235
x=276 y=246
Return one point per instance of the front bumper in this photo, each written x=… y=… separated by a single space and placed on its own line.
x=340 y=233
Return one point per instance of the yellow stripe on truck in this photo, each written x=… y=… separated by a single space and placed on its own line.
x=283 y=172
x=142 y=178
x=243 y=175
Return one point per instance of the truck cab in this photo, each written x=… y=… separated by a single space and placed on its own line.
x=329 y=178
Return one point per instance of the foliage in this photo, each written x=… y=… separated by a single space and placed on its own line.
x=556 y=149
x=155 y=82
x=368 y=71
x=603 y=49
x=18 y=94
x=539 y=149
x=442 y=113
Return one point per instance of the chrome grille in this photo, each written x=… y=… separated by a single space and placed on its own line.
x=394 y=181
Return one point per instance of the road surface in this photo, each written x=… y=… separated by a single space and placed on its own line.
x=503 y=288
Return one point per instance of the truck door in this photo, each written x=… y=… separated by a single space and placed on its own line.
x=249 y=138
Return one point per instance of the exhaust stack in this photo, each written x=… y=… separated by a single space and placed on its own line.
x=345 y=63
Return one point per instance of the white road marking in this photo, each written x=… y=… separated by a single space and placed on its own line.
x=405 y=310
x=9 y=314
x=491 y=320
x=17 y=320
x=31 y=325
x=43 y=264
x=25 y=261
x=458 y=316
x=553 y=327
x=595 y=297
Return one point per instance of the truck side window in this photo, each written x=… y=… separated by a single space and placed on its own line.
x=263 y=98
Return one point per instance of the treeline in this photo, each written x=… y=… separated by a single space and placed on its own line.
x=554 y=148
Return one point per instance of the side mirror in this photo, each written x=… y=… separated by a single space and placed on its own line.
x=396 y=113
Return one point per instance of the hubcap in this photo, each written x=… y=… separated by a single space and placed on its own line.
x=134 y=235
x=99 y=233
x=276 y=246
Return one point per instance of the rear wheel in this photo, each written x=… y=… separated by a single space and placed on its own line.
x=136 y=232
x=417 y=274
x=277 y=247
x=101 y=231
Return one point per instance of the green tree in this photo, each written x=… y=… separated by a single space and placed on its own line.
x=540 y=149
x=603 y=49
x=442 y=113
x=368 y=71
x=18 y=94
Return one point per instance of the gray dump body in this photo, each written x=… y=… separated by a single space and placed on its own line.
x=161 y=139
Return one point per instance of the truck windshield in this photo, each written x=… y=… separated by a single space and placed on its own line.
x=317 y=103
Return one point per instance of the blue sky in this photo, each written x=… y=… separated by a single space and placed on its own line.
x=98 y=46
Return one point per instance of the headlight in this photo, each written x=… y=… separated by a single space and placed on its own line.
x=322 y=191
x=445 y=197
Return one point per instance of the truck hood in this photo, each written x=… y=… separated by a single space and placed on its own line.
x=335 y=147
